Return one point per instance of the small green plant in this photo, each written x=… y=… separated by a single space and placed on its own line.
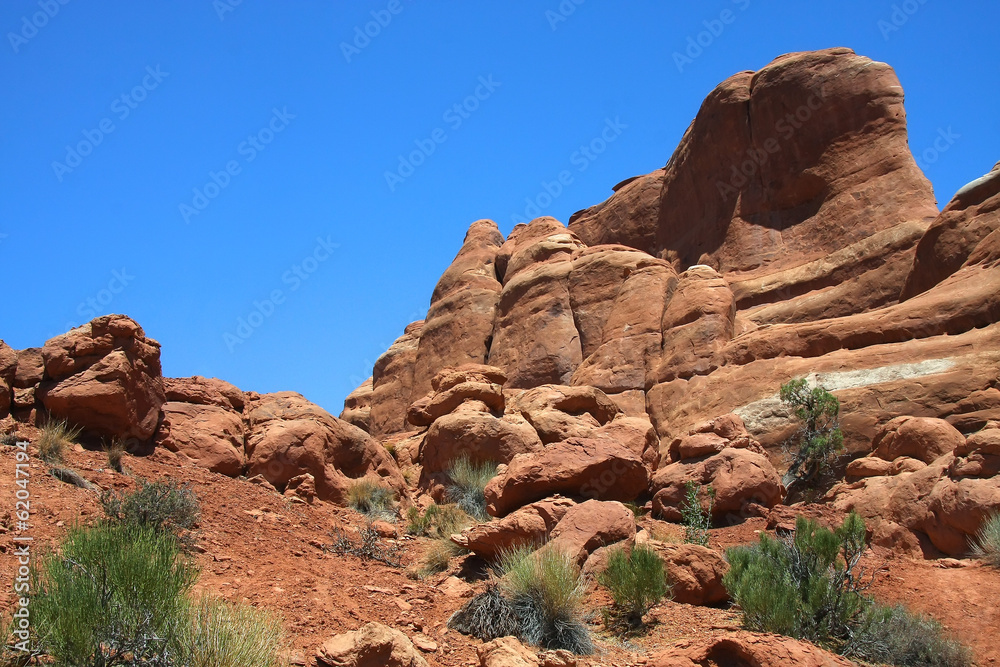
x=468 y=485
x=636 y=581
x=811 y=586
x=165 y=507
x=115 y=450
x=695 y=518
x=223 y=634
x=55 y=438
x=372 y=499
x=819 y=438
x=986 y=544
x=112 y=595
x=546 y=591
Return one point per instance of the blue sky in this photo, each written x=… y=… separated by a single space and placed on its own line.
x=192 y=163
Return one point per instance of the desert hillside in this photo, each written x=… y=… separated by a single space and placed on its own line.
x=593 y=375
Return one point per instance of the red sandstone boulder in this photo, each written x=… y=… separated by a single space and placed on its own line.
x=204 y=391
x=478 y=436
x=711 y=437
x=531 y=525
x=586 y=467
x=695 y=572
x=289 y=436
x=105 y=377
x=586 y=527
x=30 y=368
x=208 y=435
x=746 y=649
x=741 y=478
x=559 y=412
x=373 y=645
x=425 y=411
x=916 y=437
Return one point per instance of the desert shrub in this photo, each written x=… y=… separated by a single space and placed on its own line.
x=161 y=506
x=55 y=438
x=115 y=450
x=811 y=586
x=819 y=437
x=487 y=616
x=806 y=586
x=437 y=521
x=636 y=581
x=986 y=544
x=9 y=436
x=468 y=484
x=372 y=499
x=546 y=591
x=695 y=518
x=894 y=636
x=112 y=595
x=366 y=546
x=223 y=634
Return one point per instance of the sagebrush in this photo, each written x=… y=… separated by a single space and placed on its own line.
x=162 y=506
x=986 y=543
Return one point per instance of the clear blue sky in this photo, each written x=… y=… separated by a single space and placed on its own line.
x=309 y=128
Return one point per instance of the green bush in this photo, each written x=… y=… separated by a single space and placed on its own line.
x=468 y=484
x=820 y=436
x=986 y=544
x=55 y=438
x=223 y=634
x=811 y=586
x=112 y=595
x=894 y=636
x=695 y=518
x=372 y=499
x=161 y=506
x=636 y=581
x=546 y=591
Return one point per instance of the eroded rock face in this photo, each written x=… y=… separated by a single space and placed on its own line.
x=289 y=436
x=832 y=127
x=392 y=384
x=558 y=412
x=459 y=324
x=204 y=391
x=105 y=377
x=358 y=406
x=8 y=368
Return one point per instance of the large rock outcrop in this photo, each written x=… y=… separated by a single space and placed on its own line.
x=289 y=436
x=105 y=377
